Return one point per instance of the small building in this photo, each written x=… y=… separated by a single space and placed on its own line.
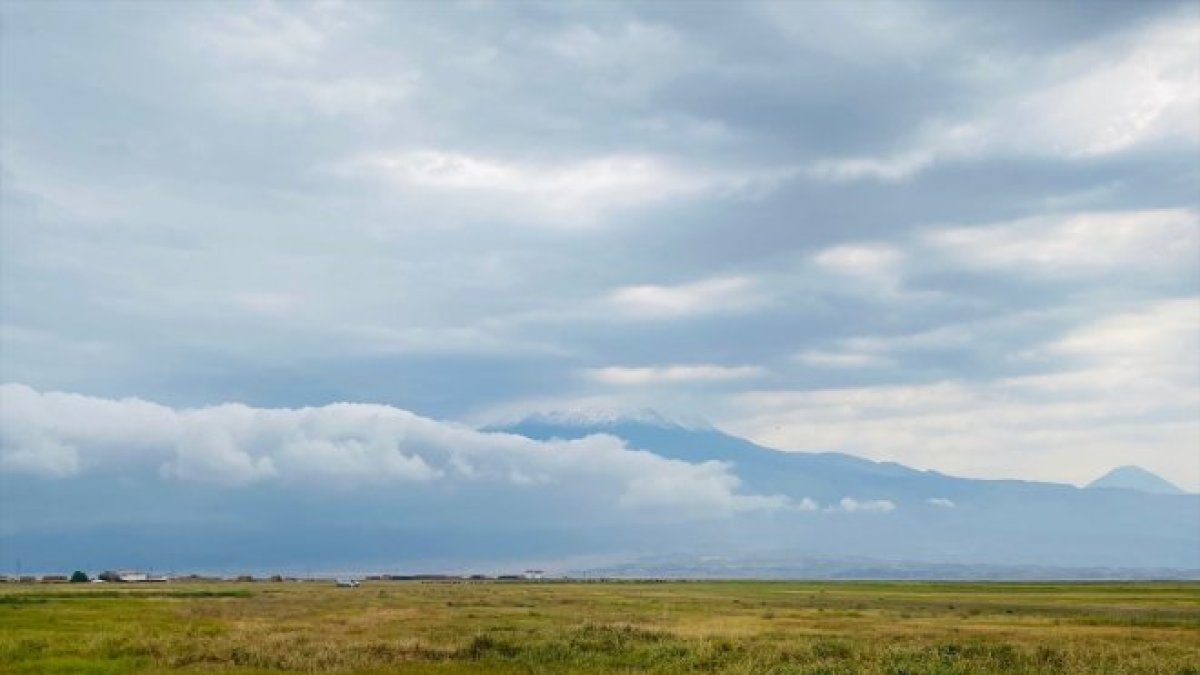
x=534 y=574
x=347 y=583
x=132 y=576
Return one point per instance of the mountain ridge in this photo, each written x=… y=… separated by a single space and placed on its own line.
x=1132 y=477
x=844 y=505
x=598 y=416
x=644 y=428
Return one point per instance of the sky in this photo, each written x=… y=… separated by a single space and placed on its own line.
x=246 y=242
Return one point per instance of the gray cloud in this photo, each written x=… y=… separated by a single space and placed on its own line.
x=1125 y=385
x=466 y=209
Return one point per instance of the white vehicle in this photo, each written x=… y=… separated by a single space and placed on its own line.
x=347 y=583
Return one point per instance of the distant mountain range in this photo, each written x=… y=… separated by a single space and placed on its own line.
x=795 y=564
x=850 y=506
x=1135 y=478
x=826 y=514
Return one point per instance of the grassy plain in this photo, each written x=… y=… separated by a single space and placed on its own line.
x=683 y=627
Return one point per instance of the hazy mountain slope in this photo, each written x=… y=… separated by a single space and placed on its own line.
x=932 y=516
x=836 y=506
x=1135 y=478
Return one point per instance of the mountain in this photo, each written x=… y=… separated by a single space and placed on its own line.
x=502 y=502
x=1135 y=478
x=849 y=506
x=762 y=470
x=795 y=564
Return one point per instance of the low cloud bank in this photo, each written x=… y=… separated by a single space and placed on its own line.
x=57 y=434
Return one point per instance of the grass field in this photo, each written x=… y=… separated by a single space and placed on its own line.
x=702 y=627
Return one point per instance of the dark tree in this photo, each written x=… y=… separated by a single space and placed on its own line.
x=79 y=577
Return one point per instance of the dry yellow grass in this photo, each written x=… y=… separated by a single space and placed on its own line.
x=732 y=627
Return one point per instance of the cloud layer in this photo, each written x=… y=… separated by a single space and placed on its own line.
x=341 y=445
x=1125 y=387
x=948 y=235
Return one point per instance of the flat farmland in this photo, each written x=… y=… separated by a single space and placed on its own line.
x=610 y=627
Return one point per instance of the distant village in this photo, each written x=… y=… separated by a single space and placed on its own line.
x=140 y=577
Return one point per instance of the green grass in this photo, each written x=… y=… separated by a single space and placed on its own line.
x=693 y=627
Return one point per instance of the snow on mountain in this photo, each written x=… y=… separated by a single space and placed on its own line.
x=600 y=418
x=929 y=515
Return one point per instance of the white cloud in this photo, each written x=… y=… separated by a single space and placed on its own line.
x=1155 y=71
x=43 y=433
x=209 y=447
x=934 y=338
x=623 y=375
x=861 y=260
x=868 y=267
x=570 y=193
x=707 y=296
x=697 y=491
x=170 y=257
x=1123 y=389
x=1081 y=243
x=341 y=445
x=851 y=505
x=840 y=359
x=272 y=59
x=1153 y=244
x=941 y=502
x=1141 y=363
x=269 y=33
x=1160 y=340
x=879 y=351
x=892 y=168
x=807 y=504
x=1113 y=95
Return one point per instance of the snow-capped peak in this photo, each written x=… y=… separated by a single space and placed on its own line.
x=601 y=417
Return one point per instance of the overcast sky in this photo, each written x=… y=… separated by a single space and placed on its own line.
x=960 y=236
